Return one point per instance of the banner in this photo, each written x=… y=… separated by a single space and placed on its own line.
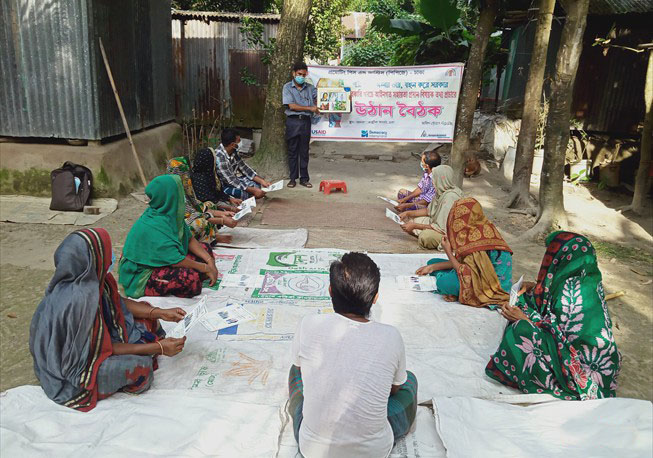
x=393 y=104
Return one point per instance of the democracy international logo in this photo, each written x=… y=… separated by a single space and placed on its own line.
x=365 y=134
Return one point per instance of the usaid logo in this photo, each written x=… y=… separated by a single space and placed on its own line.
x=318 y=132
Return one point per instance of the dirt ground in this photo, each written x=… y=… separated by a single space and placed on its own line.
x=623 y=243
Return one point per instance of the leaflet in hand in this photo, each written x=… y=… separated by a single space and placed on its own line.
x=514 y=291
x=242 y=213
x=278 y=186
x=226 y=317
x=417 y=283
x=249 y=203
x=393 y=216
x=394 y=203
x=192 y=317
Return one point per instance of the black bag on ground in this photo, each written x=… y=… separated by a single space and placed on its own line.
x=65 y=194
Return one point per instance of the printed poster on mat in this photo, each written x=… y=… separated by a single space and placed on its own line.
x=299 y=284
x=406 y=104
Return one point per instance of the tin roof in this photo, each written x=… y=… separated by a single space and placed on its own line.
x=620 y=6
x=224 y=16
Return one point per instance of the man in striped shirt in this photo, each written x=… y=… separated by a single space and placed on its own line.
x=238 y=179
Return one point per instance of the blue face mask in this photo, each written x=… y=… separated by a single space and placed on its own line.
x=421 y=166
x=300 y=79
x=113 y=260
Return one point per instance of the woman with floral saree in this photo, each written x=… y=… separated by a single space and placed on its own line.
x=479 y=269
x=204 y=218
x=87 y=342
x=560 y=341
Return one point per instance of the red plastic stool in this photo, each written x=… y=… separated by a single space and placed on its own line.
x=329 y=185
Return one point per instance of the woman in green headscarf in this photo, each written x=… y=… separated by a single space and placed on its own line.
x=560 y=339
x=429 y=224
x=160 y=256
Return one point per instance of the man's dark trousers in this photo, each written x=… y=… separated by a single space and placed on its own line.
x=298 y=137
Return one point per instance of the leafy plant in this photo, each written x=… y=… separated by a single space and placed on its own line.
x=252 y=31
x=247 y=77
x=325 y=29
x=374 y=50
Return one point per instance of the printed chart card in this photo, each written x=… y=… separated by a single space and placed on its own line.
x=278 y=186
x=390 y=201
x=191 y=318
x=230 y=315
x=416 y=283
x=393 y=216
x=300 y=284
x=248 y=203
x=242 y=213
x=304 y=260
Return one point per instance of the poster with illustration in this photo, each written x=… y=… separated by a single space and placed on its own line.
x=387 y=104
x=334 y=99
x=305 y=260
x=300 y=284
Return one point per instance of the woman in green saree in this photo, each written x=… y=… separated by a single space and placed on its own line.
x=560 y=338
x=161 y=257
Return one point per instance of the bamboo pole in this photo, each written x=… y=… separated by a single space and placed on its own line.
x=122 y=113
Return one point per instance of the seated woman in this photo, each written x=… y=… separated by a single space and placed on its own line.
x=429 y=224
x=161 y=257
x=87 y=342
x=204 y=176
x=560 y=341
x=203 y=218
x=479 y=269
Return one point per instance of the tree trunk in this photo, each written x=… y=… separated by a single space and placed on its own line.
x=642 y=178
x=552 y=211
x=521 y=177
x=470 y=87
x=271 y=158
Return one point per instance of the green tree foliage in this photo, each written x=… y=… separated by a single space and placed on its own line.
x=232 y=6
x=325 y=29
x=374 y=50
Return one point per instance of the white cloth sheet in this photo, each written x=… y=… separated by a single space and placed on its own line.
x=600 y=428
x=225 y=394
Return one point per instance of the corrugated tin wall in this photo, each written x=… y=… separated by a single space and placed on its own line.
x=53 y=81
x=201 y=63
x=46 y=86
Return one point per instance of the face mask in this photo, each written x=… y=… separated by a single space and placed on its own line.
x=113 y=259
x=421 y=166
x=239 y=145
x=300 y=79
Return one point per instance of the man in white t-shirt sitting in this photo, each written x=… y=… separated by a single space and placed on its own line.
x=350 y=393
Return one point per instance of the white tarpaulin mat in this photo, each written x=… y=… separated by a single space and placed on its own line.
x=250 y=237
x=239 y=375
x=29 y=209
x=155 y=423
x=600 y=428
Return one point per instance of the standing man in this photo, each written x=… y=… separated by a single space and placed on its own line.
x=300 y=100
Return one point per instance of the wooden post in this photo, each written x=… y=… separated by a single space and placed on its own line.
x=122 y=113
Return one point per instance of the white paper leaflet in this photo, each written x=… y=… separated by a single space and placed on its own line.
x=514 y=290
x=242 y=213
x=225 y=317
x=248 y=203
x=278 y=186
x=191 y=318
x=390 y=201
x=416 y=283
x=393 y=216
x=241 y=281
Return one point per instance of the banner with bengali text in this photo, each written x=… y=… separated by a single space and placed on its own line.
x=393 y=104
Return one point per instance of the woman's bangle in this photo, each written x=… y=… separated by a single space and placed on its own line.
x=161 y=347
x=149 y=315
